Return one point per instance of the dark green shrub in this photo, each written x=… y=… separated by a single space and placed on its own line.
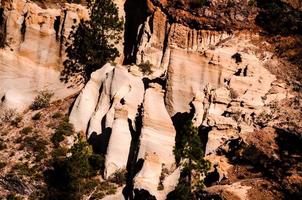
x=2 y=145
x=37 y=116
x=252 y=2
x=57 y=138
x=145 y=67
x=26 y=130
x=22 y=169
x=2 y=164
x=59 y=152
x=97 y=161
x=64 y=128
x=72 y=176
x=190 y=150
x=36 y=144
x=57 y=115
x=119 y=177
x=42 y=100
x=12 y=196
x=181 y=192
x=10 y=115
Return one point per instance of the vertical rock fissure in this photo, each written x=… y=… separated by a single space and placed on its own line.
x=166 y=40
x=62 y=32
x=23 y=28
x=133 y=166
x=135 y=17
x=56 y=26
x=2 y=28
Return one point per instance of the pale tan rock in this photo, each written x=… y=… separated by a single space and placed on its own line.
x=158 y=133
x=216 y=138
x=119 y=144
x=156 y=142
x=235 y=190
x=86 y=102
x=30 y=65
x=21 y=80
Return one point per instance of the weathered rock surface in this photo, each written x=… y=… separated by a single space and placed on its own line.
x=34 y=53
x=197 y=65
x=156 y=143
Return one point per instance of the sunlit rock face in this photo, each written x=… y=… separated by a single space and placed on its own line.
x=222 y=78
x=34 y=53
x=191 y=70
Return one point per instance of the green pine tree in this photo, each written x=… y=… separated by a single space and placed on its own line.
x=192 y=157
x=93 y=42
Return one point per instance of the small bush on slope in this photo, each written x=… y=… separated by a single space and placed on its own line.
x=42 y=100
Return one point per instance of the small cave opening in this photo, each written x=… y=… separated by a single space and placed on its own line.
x=23 y=27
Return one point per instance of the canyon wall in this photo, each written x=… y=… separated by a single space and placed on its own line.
x=210 y=63
x=34 y=52
x=222 y=76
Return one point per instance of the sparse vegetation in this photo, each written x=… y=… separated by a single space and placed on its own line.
x=277 y=17
x=57 y=115
x=93 y=42
x=263 y=119
x=42 y=100
x=119 y=177
x=231 y=3
x=22 y=169
x=26 y=130
x=145 y=67
x=62 y=130
x=35 y=144
x=73 y=176
x=10 y=115
x=12 y=196
x=2 y=145
x=194 y=166
x=2 y=164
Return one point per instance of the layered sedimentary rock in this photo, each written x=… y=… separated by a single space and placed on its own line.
x=221 y=76
x=34 y=50
x=156 y=143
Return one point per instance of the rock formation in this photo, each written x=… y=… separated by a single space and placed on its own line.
x=35 y=51
x=214 y=64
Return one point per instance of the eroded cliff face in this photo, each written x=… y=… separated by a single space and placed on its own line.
x=222 y=75
x=34 y=50
x=209 y=62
